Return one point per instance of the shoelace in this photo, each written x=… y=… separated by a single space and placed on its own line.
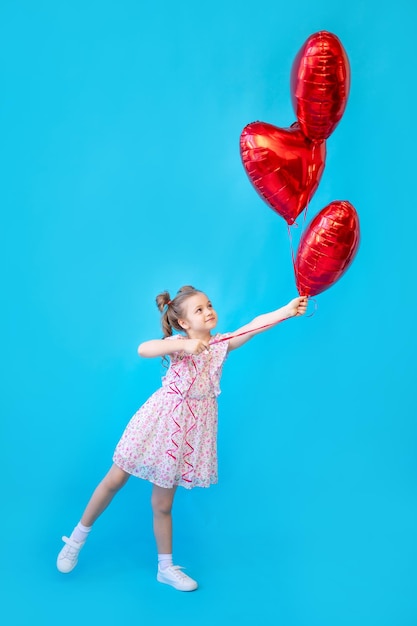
x=69 y=551
x=176 y=571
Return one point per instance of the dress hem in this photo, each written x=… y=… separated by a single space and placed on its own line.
x=145 y=475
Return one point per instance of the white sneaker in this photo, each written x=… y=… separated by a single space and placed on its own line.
x=68 y=557
x=173 y=576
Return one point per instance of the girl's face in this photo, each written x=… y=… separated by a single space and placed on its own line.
x=199 y=316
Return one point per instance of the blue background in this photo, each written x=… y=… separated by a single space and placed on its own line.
x=121 y=177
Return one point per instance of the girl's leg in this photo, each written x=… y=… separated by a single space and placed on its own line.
x=162 y=500
x=101 y=498
x=104 y=493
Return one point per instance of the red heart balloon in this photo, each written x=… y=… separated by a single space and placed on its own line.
x=320 y=83
x=327 y=248
x=283 y=165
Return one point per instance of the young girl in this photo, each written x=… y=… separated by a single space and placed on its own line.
x=172 y=439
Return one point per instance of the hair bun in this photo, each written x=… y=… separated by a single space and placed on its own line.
x=162 y=299
x=186 y=288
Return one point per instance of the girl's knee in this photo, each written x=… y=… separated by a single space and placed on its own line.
x=162 y=500
x=115 y=479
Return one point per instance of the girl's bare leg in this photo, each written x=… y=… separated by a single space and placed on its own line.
x=101 y=498
x=162 y=500
x=104 y=493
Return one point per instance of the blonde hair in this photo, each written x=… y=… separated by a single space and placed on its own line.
x=173 y=310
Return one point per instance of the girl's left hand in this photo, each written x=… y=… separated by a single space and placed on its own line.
x=298 y=306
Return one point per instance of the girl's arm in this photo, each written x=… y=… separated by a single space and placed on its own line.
x=296 y=307
x=161 y=347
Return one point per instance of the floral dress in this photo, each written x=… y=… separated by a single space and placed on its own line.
x=172 y=439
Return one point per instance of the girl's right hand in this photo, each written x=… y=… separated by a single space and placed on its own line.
x=298 y=306
x=194 y=346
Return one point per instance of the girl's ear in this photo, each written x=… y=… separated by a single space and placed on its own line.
x=183 y=324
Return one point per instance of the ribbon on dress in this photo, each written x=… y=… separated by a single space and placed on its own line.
x=174 y=389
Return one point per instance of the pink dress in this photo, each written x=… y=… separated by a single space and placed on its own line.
x=172 y=439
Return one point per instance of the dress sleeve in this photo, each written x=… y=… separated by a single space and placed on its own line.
x=219 y=352
x=220 y=347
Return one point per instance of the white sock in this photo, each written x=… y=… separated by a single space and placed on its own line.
x=80 y=532
x=164 y=560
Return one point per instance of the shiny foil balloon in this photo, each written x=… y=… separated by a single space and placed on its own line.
x=283 y=165
x=320 y=83
x=327 y=248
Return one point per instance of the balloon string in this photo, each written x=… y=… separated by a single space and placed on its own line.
x=253 y=330
x=174 y=389
x=295 y=225
x=291 y=246
x=305 y=218
x=315 y=306
x=247 y=332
